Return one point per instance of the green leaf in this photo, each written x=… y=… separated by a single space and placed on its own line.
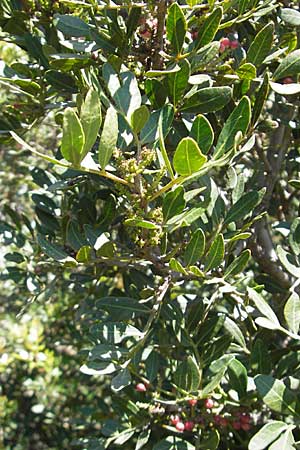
x=207 y=100
x=285 y=441
x=210 y=440
x=139 y=118
x=285 y=89
x=71 y=25
x=238 y=264
x=84 y=254
x=209 y=28
x=176 y=27
x=187 y=375
x=54 y=251
x=90 y=116
x=243 y=5
x=142 y=439
x=209 y=329
x=238 y=377
x=244 y=206
x=263 y=306
x=115 y=332
x=173 y=443
x=141 y=223
x=128 y=96
x=294 y=236
x=73 y=140
x=261 y=45
x=232 y=328
x=156 y=93
x=109 y=137
x=289 y=66
x=267 y=434
x=173 y=203
x=288 y=261
x=214 y=382
x=260 y=99
x=188 y=157
x=121 y=380
x=260 y=358
x=215 y=255
x=290 y=16
x=177 y=266
x=238 y=121
x=122 y=307
x=276 y=395
x=150 y=132
x=178 y=81
x=161 y=73
x=246 y=71
x=292 y=312
x=203 y=133
x=195 y=248
x=133 y=20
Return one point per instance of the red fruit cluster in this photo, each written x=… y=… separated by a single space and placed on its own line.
x=192 y=401
x=209 y=403
x=141 y=387
x=226 y=43
x=181 y=426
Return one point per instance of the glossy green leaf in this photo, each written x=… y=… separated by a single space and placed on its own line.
x=188 y=157
x=209 y=28
x=173 y=203
x=292 y=312
x=276 y=395
x=244 y=206
x=289 y=66
x=128 y=96
x=156 y=93
x=285 y=441
x=162 y=73
x=109 y=137
x=141 y=223
x=243 y=5
x=210 y=440
x=207 y=100
x=73 y=140
x=150 y=132
x=260 y=357
x=214 y=382
x=178 y=81
x=177 y=266
x=139 y=118
x=263 y=306
x=142 y=439
x=267 y=434
x=203 y=133
x=187 y=375
x=173 y=443
x=294 y=236
x=121 y=380
x=71 y=25
x=115 y=332
x=238 y=121
x=238 y=264
x=122 y=306
x=260 y=99
x=246 y=71
x=232 y=328
x=288 y=261
x=176 y=27
x=195 y=248
x=90 y=116
x=238 y=377
x=215 y=255
x=54 y=251
x=261 y=45
x=290 y=16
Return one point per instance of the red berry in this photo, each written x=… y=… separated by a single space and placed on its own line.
x=245 y=418
x=246 y=426
x=223 y=422
x=140 y=387
x=189 y=425
x=234 y=44
x=175 y=420
x=194 y=34
x=180 y=426
x=225 y=41
x=236 y=425
x=288 y=80
x=218 y=419
x=192 y=401
x=209 y=403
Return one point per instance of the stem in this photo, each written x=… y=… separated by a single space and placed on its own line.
x=159 y=38
x=164 y=151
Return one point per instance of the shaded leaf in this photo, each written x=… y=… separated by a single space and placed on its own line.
x=261 y=45
x=195 y=248
x=215 y=255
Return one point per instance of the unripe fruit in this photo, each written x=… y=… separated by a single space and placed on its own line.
x=288 y=80
x=236 y=425
x=208 y=403
x=234 y=44
x=180 y=426
x=175 y=420
x=192 y=401
x=189 y=425
x=140 y=387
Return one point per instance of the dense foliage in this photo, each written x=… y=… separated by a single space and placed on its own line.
x=150 y=221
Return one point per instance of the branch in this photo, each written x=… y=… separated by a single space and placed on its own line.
x=159 y=38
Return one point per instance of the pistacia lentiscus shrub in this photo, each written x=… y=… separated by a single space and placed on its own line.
x=170 y=209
